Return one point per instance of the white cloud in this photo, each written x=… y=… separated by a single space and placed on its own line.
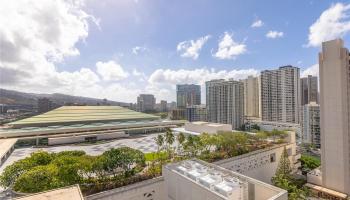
x=111 y=71
x=141 y=76
x=198 y=76
x=274 y=34
x=312 y=70
x=191 y=48
x=163 y=81
x=228 y=48
x=34 y=36
x=333 y=23
x=135 y=72
x=257 y=23
x=138 y=49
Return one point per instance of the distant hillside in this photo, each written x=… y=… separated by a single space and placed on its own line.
x=15 y=97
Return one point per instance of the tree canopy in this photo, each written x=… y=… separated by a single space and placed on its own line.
x=43 y=171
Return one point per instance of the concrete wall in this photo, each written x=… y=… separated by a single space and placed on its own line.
x=260 y=165
x=6 y=148
x=146 y=190
x=261 y=193
x=81 y=138
x=315 y=176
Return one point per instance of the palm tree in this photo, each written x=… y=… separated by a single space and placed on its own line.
x=160 y=142
x=169 y=139
x=180 y=139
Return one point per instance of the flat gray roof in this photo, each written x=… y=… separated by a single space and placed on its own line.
x=67 y=193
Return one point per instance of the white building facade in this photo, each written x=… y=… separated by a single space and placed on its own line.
x=311 y=124
x=225 y=102
x=280 y=94
x=335 y=115
x=251 y=96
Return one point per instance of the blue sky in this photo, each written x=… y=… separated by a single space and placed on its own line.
x=160 y=25
x=118 y=49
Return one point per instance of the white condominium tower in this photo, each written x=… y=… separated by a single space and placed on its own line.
x=225 y=102
x=280 y=94
x=311 y=124
x=335 y=115
x=251 y=96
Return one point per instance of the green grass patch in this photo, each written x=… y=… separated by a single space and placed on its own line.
x=156 y=156
x=310 y=162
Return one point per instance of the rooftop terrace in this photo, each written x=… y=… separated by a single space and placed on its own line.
x=224 y=183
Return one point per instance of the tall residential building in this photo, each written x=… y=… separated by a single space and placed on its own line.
x=196 y=113
x=163 y=106
x=251 y=96
x=146 y=102
x=280 y=94
x=311 y=124
x=225 y=102
x=309 y=89
x=335 y=115
x=188 y=95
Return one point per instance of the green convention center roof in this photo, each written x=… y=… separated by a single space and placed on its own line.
x=83 y=114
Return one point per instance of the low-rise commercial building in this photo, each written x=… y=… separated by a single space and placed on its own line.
x=207 y=127
x=271 y=125
x=199 y=127
x=69 y=124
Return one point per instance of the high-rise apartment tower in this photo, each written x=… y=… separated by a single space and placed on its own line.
x=225 y=102
x=335 y=115
x=251 y=96
x=309 y=89
x=280 y=94
x=188 y=95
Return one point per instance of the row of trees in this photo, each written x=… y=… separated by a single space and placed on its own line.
x=44 y=171
x=211 y=147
